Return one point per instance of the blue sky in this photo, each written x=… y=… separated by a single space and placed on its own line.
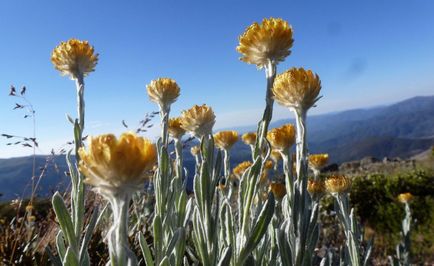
x=367 y=53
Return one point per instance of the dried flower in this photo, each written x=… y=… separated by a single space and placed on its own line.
x=175 y=129
x=282 y=138
x=278 y=189
x=318 y=161
x=74 y=58
x=316 y=188
x=113 y=165
x=198 y=120
x=405 y=197
x=297 y=88
x=195 y=150
x=163 y=91
x=249 y=138
x=225 y=139
x=241 y=168
x=269 y=41
x=338 y=184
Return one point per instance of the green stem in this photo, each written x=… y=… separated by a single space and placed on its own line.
x=178 y=151
x=119 y=246
x=353 y=245
x=270 y=73
x=227 y=170
x=78 y=194
x=164 y=114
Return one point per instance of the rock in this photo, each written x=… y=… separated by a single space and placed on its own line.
x=368 y=160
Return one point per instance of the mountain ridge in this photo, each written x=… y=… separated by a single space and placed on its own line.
x=403 y=129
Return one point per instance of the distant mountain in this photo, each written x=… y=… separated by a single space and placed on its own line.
x=399 y=130
x=16 y=176
x=402 y=129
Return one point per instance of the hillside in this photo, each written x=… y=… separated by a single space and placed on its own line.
x=400 y=130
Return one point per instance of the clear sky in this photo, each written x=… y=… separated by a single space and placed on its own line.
x=367 y=53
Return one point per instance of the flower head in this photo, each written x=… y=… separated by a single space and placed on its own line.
x=278 y=189
x=269 y=41
x=338 y=184
x=405 y=197
x=74 y=58
x=318 y=161
x=198 y=120
x=175 y=129
x=249 y=138
x=195 y=150
x=297 y=88
x=282 y=138
x=241 y=168
x=275 y=156
x=163 y=91
x=316 y=188
x=114 y=165
x=268 y=164
x=226 y=139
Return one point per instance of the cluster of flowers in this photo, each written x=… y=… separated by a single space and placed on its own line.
x=118 y=167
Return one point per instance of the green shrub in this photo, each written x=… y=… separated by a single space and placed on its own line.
x=374 y=197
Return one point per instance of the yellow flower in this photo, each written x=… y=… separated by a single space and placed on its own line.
x=195 y=150
x=275 y=156
x=316 y=188
x=117 y=165
x=74 y=58
x=269 y=41
x=278 y=189
x=163 y=91
x=318 y=161
x=249 y=138
x=338 y=184
x=282 y=138
x=175 y=129
x=268 y=165
x=31 y=219
x=225 y=139
x=29 y=208
x=405 y=197
x=241 y=168
x=198 y=120
x=297 y=88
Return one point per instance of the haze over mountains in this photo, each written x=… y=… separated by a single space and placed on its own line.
x=398 y=130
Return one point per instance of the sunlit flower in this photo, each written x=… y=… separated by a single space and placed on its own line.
x=268 y=164
x=278 y=189
x=117 y=165
x=269 y=41
x=276 y=156
x=318 y=161
x=282 y=138
x=225 y=139
x=163 y=91
x=195 y=150
x=405 y=197
x=316 y=187
x=29 y=208
x=297 y=88
x=241 y=168
x=175 y=129
x=249 y=138
x=31 y=219
x=198 y=120
x=74 y=58
x=338 y=184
